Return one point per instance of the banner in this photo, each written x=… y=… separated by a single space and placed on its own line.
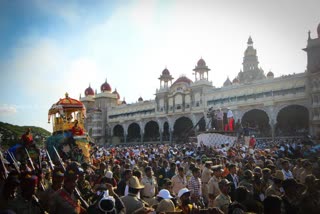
x=215 y=139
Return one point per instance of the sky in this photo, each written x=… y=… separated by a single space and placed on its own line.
x=50 y=47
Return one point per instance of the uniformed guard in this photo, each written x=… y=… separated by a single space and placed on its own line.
x=131 y=202
x=27 y=202
x=213 y=184
x=150 y=189
x=223 y=200
x=65 y=200
x=205 y=177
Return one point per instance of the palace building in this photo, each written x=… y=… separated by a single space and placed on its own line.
x=273 y=106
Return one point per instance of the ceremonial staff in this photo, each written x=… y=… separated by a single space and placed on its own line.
x=33 y=169
x=50 y=161
x=77 y=192
x=4 y=171
x=15 y=163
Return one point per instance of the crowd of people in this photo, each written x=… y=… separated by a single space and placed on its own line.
x=278 y=177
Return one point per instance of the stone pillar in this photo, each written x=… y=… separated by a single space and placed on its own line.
x=161 y=133
x=125 y=137
x=171 y=135
x=142 y=134
x=272 y=125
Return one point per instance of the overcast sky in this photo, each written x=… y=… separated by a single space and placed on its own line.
x=50 y=47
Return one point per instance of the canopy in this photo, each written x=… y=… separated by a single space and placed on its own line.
x=65 y=105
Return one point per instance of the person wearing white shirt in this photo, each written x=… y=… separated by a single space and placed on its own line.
x=285 y=169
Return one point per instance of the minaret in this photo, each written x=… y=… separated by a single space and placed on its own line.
x=251 y=70
x=250 y=59
x=200 y=70
x=165 y=78
x=313 y=74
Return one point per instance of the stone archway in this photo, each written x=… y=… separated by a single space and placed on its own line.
x=118 y=131
x=182 y=129
x=292 y=120
x=118 y=134
x=134 y=133
x=258 y=121
x=151 y=131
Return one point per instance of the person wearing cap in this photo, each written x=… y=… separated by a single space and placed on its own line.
x=276 y=187
x=179 y=181
x=150 y=189
x=65 y=200
x=213 y=184
x=247 y=180
x=165 y=201
x=27 y=202
x=107 y=202
x=286 y=169
x=205 y=177
x=223 y=200
x=131 y=202
x=185 y=205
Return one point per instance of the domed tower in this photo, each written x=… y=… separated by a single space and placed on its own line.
x=227 y=82
x=270 y=75
x=116 y=93
x=251 y=70
x=165 y=78
x=124 y=101
x=89 y=91
x=105 y=87
x=313 y=52
x=313 y=76
x=200 y=70
x=88 y=99
x=235 y=81
x=140 y=99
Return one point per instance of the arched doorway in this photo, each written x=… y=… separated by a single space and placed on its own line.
x=118 y=133
x=258 y=121
x=166 y=134
x=292 y=120
x=182 y=129
x=134 y=133
x=151 y=132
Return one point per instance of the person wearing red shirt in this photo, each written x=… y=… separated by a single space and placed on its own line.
x=252 y=142
x=76 y=130
x=27 y=138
